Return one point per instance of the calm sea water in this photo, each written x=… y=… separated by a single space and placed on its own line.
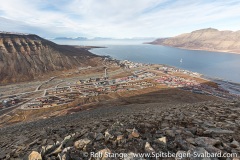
x=213 y=64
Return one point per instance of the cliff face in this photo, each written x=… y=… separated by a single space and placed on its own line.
x=205 y=39
x=25 y=57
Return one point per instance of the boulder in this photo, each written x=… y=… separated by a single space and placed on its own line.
x=205 y=141
x=108 y=136
x=80 y=144
x=34 y=156
x=99 y=136
x=148 y=148
x=234 y=144
x=135 y=133
x=162 y=140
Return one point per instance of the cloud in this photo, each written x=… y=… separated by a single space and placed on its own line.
x=111 y=18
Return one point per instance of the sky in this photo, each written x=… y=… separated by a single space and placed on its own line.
x=117 y=18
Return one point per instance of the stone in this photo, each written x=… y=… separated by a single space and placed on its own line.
x=130 y=136
x=34 y=156
x=2 y=154
x=103 y=154
x=49 y=148
x=120 y=137
x=233 y=116
x=164 y=124
x=63 y=156
x=148 y=148
x=148 y=125
x=208 y=124
x=212 y=149
x=227 y=147
x=218 y=131
x=101 y=128
x=99 y=137
x=108 y=135
x=129 y=130
x=57 y=150
x=44 y=141
x=205 y=141
x=234 y=144
x=191 y=141
x=65 y=150
x=135 y=133
x=43 y=150
x=170 y=133
x=199 y=154
x=182 y=143
x=163 y=140
x=81 y=143
x=68 y=140
x=188 y=134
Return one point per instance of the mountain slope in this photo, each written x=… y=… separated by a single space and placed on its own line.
x=205 y=39
x=25 y=57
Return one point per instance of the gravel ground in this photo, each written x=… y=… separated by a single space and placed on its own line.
x=204 y=127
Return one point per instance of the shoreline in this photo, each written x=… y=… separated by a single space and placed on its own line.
x=87 y=47
x=191 y=49
x=232 y=87
x=218 y=81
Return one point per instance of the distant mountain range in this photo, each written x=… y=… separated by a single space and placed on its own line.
x=209 y=39
x=27 y=56
x=69 y=38
x=101 y=38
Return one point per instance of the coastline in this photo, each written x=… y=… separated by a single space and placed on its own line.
x=232 y=87
x=87 y=47
x=192 y=49
x=219 y=81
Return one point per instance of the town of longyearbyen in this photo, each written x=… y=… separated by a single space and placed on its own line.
x=120 y=80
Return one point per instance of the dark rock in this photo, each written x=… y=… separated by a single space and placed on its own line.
x=99 y=136
x=198 y=154
x=205 y=141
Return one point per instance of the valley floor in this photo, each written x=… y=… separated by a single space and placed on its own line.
x=86 y=88
x=150 y=109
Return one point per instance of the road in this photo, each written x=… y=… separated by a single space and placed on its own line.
x=38 y=89
x=6 y=111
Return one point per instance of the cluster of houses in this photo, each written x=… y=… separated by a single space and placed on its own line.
x=10 y=101
x=138 y=75
x=50 y=101
x=174 y=81
x=58 y=90
x=129 y=64
x=166 y=69
x=96 y=86
x=90 y=87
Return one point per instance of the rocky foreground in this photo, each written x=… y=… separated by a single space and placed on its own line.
x=200 y=129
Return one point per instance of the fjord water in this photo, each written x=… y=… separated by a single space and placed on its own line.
x=225 y=66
